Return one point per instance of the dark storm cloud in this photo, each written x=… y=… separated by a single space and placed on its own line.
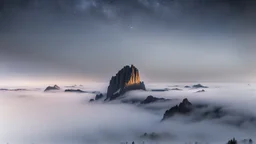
x=199 y=39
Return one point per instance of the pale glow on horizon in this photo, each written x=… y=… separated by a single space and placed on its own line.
x=24 y=82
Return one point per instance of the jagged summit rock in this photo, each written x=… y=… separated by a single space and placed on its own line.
x=183 y=108
x=185 y=103
x=49 y=88
x=126 y=79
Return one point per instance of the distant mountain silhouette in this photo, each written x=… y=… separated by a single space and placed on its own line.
x=200 y=91
x=49 y=88
x=151 y=99
x=187 y=86
x=97 y=97
x=4 y=89
x=160 y=90
x=199 y=86
x=75 y=90
x=80 y=91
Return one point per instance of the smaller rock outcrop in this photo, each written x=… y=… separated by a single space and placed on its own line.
x=199 y=86
x=187 y=86
x=160 y=90
x=50 y=88
x=183 y=108
x=99 y=96
x=75 y=90
x=91 y=100
x=247 y=141
x=3 y=89
x=151 y=99
x=176 y=89
x=200 y=91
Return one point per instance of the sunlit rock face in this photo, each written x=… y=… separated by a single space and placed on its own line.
x=126 y=79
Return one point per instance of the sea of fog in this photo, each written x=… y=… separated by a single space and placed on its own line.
x=36 y=117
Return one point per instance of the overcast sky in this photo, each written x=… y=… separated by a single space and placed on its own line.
x=90 y=40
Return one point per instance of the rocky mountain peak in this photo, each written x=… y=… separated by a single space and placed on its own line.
x=56 y=87
x=49 y=88
x=126 y=79
x=183 y=108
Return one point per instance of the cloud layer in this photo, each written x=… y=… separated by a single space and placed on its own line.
x=36 y=117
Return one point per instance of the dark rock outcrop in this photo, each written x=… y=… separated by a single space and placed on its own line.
x=91 y=100
x=75 y=90
x=199 y=86
x=187 y=87
x=200 y=91
x=99 y=96
x=232 y=141
x=200 y=112
x=19 y=89
x=126 y=79
x=176 y=89
x=160 y=90
x=205 y=112
x=151 y=99
x=3 y=89
x=247 y=141
x=81 y=91
x=50 y=88
x=183 y=108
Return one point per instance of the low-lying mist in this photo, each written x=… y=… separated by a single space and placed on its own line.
x=58 y=117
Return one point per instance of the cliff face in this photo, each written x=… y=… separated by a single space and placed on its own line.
x=126 y=79
x=133 y=76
